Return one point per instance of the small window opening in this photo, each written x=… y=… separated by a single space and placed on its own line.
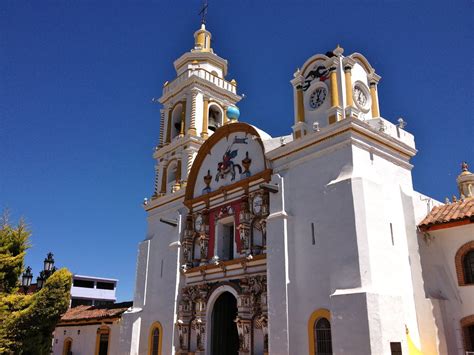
x=313 y=238
x=396 y=348
x=83 y=283
x=105 y=285
x=103 y=344
x=468 y=265
x=469 y=337
x=391 y=234
x=322 y=329
x=225 y=239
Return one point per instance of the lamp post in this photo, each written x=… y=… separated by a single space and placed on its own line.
x=49 y=263
x=26 y=279
x=40 y=280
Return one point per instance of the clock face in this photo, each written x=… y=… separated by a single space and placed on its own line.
x=361 y=97
x=257 y=204
x=198 y=223
x=317 y=97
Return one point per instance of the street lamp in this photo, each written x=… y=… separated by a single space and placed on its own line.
x=40 y=280
x=49 y=262
x=26 y=279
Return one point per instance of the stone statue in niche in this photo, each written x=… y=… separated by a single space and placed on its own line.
x=246 y=162
x=207 y=180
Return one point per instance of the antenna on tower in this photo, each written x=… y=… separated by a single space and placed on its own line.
x=203 y=12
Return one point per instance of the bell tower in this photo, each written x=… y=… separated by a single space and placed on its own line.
x=194 y=105
x=331 y=87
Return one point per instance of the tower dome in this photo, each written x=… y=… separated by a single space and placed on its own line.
x=465 y=182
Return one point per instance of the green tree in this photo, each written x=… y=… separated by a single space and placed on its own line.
x=27 y=321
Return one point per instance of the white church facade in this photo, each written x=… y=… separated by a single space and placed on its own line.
x=311 y=243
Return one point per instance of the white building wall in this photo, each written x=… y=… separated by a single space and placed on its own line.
x=451 y=301
x=84 y=342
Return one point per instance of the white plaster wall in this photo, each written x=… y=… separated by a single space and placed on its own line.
x=452 y=302
x=85 y=342
x=161 y=278
x=351 y=196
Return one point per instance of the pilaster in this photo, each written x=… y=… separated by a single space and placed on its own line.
x=192 y=120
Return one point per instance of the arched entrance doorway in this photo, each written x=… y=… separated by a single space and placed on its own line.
x=225 y=339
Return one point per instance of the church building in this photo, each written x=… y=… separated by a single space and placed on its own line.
x=311 y=243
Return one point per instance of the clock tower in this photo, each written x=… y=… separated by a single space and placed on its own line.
x=194 y=105
x=331 y=87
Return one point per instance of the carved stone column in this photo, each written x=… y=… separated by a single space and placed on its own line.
x=192 y=121
x=244 y=329
x=184 y=321
x=262 y=323
x=162 y=128
x=188 y=243
x=373 y=82
x=244 y=227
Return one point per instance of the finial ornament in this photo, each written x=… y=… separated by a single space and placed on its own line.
x=203 y=12
x=464 y=166
x=338 y=51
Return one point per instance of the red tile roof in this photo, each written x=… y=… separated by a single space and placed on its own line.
x=453 y=212
x=80 y=313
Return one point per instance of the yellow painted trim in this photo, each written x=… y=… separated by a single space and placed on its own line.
x=334 y=89
x=205 y=118
x=102 y=330
x=412 y=349
x=373 y=97
x=168 y=127
x=348 y=77
x=183 y=119
x=225 y=119
x=300 y=105
x=67 y=340
x=164 y=178
x=154 y=326
x=319 y=313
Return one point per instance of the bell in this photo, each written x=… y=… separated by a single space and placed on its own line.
x=177 y=125
x=213 y=125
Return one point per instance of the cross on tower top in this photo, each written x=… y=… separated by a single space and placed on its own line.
x=203 y=12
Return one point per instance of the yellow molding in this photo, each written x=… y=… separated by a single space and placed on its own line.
x=316 y=315
x=334 y=89
x=348 y=77
x=102 y=330
x=373 y=96
x=300 y=105
x=155 y=325
x=65 y=347
x=205 y=118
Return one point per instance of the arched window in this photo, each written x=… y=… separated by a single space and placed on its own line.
x=319 y=333
x=102 y=341
x=464 y=261
x=176 y=118
x=467 y=325
x=154 y=346
x=468 y=266
x=322 y=336
x=67 y=348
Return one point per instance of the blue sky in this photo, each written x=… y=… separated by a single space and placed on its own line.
x=77 y=125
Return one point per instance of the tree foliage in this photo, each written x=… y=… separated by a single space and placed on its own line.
x=27 y=321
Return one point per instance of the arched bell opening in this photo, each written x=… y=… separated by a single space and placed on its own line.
x=172 y=175
x=224 y=335
x=215 y=117
x=176 y=118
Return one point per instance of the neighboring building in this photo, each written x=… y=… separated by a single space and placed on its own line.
x=447 y=255
x=92 y=291
x=302 y=244
x=89 y=330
